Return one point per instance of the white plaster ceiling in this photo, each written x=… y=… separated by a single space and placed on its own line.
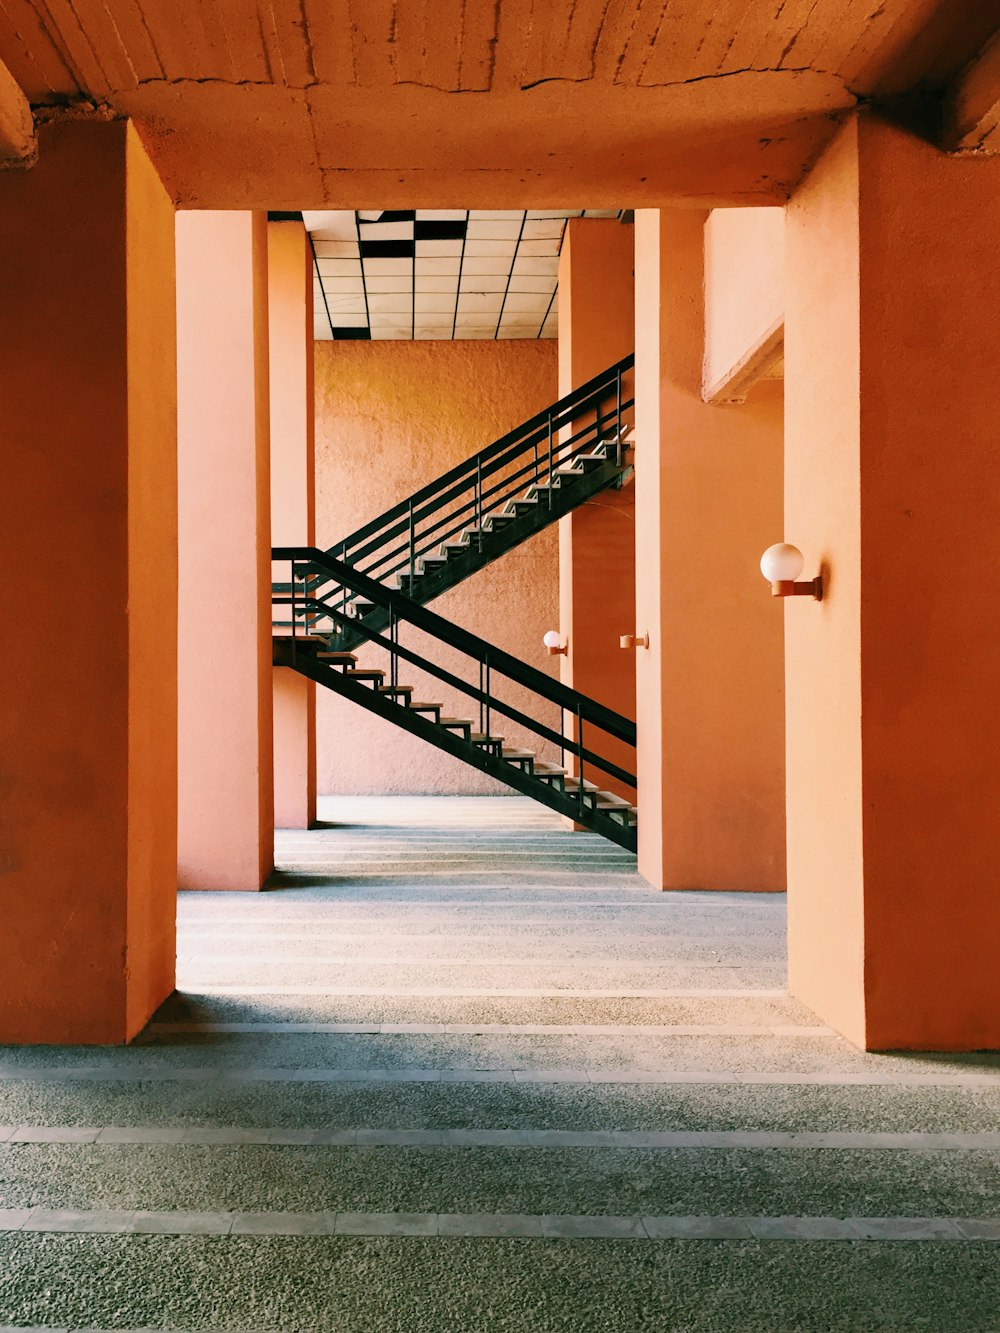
x=438 y=273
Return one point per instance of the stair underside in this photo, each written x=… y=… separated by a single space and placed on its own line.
x=601 y=811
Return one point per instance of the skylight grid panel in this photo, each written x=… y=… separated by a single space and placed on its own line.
x=601 y=212
x=526 y=301
x=339 y=268
x=428 y=301
x=536 y=266
x=493 y=248
x=436 y=266
x=439 y=319
x=336 y=249
x=543 y=230
x=342 y=286
x=381 y=231
x=437 y=282
x=484 y=282
x=440 y=214
x=385 y=268
x=390 y=303
x=439 y=231
x=344 y=303
x=383 y=249
x=495 y=214
x=534 y=248
x=522 y=282
x=481 y=302
x=494 y=231
x=381 y=320
x=322 y=332
x=427 y=249
x=394 y=282
x=392 y=334
x=425 y=334
x=517 y=330
x=475 y=330
x=348 y=319
x=497 y=265
x=554 y=213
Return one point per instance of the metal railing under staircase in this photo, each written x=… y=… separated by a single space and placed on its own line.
x=566 y=723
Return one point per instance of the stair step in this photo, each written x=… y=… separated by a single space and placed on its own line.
x=456 y=723
x=456 y=547
x=590 y=788
x=496 y=521
x=337 y=659
x=438 y=559
x=361 y=608
x=393 y=689
x=518 y=756
x=480 y=738
x=549 y=771
x=607 y=800
x=515 y=508
x=364 y=675
x=421 y=707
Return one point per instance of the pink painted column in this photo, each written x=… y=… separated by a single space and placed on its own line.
x=226 y=792
x=88 y=600
x=710 y=710
x=597 y=541
x=293 y=498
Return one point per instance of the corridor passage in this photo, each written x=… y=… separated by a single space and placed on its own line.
x=462 y=1071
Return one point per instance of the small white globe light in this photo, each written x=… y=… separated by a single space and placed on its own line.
x=781 y=563
x=552 y=638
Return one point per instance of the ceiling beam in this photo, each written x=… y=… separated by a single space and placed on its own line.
x=17 y=126
x=972 y=106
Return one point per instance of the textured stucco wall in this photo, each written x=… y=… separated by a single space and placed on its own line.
x=391 y=416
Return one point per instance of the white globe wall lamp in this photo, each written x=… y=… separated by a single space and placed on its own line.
x=553 y=641
x=781 y=565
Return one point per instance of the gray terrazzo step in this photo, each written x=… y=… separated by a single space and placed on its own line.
x=700 y=1107
x=693 y=1008
x=255 y=1178
x=324 y=1285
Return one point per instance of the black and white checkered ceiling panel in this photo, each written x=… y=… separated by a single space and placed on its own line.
x=438 y=273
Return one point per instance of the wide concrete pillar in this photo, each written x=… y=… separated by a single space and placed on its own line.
x=893 y=358
x=708 y=501
x=293 y=498
x=597 y=541
x=226 y=799
x=87 y=678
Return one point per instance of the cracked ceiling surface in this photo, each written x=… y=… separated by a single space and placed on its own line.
x=286 y=104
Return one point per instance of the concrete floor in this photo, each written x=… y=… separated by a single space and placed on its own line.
x=464 y=1071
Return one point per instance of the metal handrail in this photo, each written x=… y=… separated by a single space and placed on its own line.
x=309 y=560
x=496 y=455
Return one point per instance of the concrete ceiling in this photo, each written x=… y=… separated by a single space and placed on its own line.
x=492 y=104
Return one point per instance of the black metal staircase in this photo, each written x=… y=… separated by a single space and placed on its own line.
x=316 y=593
x=484 y=507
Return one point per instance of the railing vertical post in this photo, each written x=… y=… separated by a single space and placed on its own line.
x=478 y=502
x=413 y=548
x=486 y=727
x=618 y=417
x=551 y=479
x=579 y=757
x=482 y=724
x=291 y=571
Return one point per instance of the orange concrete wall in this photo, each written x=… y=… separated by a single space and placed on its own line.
x=708 y=501
x=744 y=287
x=152 y=587
x=293 y=498
x=597 y=541
x=87 y=694
x=225 y=715
x=823 y=642
x=905 y=646
x=391 y=416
